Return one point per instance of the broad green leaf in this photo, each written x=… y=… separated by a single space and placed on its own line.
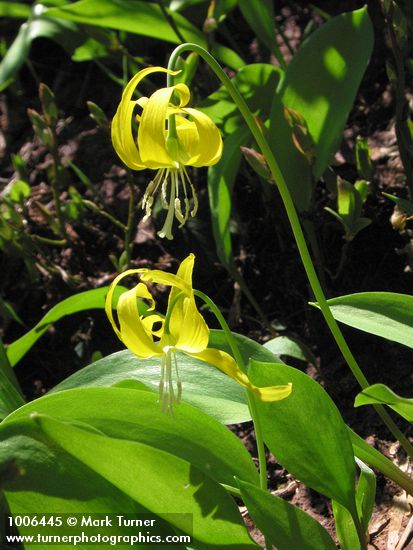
x=135 y=415
x=382 y=395
x=385 y=314
x=256 y=83
x=143 y=18
x=284 y=525
x=39 y=477
x=293 y=347
x=304 y=432
x=204 y=386
x=249 y=349
x=15 y=9
x=322 y=80
x=90 y=299
x=157 y=480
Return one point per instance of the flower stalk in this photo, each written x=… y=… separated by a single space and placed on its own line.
x=292 y=214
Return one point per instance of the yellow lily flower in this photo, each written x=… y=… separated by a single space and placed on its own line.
x=183 y=329
x=166 y=141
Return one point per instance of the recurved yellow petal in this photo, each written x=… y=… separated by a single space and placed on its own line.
x=227 y=364
x=272 y=393
x=122 y=136
x=164 y=278
x=109 y=298
x=209 y=145
x=133 y=332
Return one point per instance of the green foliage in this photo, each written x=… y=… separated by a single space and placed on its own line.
x=363 y=159
x=350 y=199
x=318 y=430
x=160 y=472
x=323 y=78
x=292 y=347
x=141 y=18
x=284 y=525
x=381 y=394
x=90 y=299
x=365 y=497
x=385 y=314
x=98 y=442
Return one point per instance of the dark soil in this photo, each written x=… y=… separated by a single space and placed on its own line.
x=379 y=258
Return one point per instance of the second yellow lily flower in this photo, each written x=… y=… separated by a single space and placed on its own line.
x=182 y=330
x=169 y=138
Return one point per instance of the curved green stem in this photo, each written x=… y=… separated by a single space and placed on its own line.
x=251 y=400
x=295 y=226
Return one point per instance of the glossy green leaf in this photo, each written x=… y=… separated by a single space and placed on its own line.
x=135 y=415
x=382 y=395
x=385 y=314
x=304 y=432
x=256 y=83
x=143 y=18
x=39 y=477
x=323 y=77
x=90 y=299
x=204 y=386
x=284 y=525
x=292 y=347
x=159 y=481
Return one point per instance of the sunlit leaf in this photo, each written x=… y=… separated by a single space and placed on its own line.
x=90 y=299
x=323 y=77
x=284 y=525
x=379 y=394
x=385 y=314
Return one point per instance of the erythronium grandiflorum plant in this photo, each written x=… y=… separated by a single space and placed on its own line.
x=166 y=141
x=183 y=329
